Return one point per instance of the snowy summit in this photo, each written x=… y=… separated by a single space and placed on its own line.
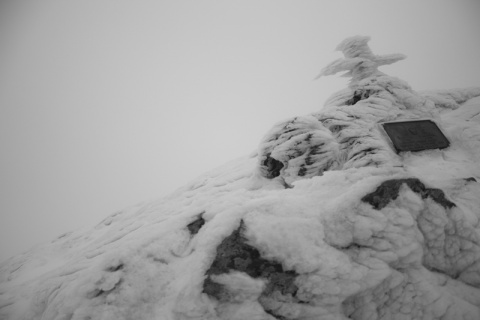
x=326 y=221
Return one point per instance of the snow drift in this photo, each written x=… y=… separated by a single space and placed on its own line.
x=325 y=221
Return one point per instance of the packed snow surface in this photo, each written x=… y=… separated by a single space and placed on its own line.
x=324 y=221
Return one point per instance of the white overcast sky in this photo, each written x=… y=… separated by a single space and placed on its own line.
x=107 y=103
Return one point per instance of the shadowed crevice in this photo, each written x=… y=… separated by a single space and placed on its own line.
x=195 y=226
x=273 y=167
x=389 y=190
x=359 y=95
x=234 y=254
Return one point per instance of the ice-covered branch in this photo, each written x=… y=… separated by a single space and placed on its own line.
x=359 y=61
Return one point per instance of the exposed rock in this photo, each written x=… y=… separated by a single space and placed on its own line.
x=194 y=227
x=272 y=166
x=390 y=189
x=234 y=254
x=358 y=95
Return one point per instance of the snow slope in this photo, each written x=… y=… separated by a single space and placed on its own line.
x=325 y=221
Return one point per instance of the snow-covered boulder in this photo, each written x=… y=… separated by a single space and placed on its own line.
x=325 y=221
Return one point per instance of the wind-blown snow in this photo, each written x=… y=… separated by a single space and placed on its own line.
x=325 y=221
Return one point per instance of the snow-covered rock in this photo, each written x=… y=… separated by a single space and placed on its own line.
x=325 y=221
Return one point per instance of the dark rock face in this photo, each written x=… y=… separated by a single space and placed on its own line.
x=234 y=254
x=273 y=167
x=195 y=226
x=389 y=190
x=358 y=95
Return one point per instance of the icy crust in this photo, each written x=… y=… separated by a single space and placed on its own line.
x=346 y=133
x=451 y=98
x=322 y=249
x=359 y=61
x=325 y=221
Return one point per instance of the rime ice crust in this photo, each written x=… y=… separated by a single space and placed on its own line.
x=325 y=222
x=359 y=61
x=345 y=133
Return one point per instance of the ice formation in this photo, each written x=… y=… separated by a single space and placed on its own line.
x=325 y=221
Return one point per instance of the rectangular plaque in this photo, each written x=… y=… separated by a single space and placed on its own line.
x=415 y=135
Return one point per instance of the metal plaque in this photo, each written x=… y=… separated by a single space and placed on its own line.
x=415 y=135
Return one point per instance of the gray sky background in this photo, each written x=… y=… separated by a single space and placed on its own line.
x=107 y=103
